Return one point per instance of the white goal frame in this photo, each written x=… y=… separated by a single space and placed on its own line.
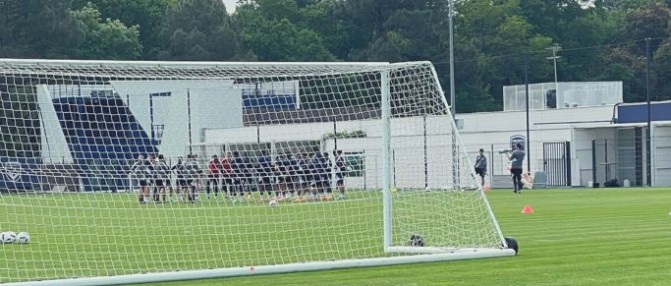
x=414 y=254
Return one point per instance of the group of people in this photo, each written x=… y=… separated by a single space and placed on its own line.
x=298 y=176
x=516 y=159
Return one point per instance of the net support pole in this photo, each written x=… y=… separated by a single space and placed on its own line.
x=386 y=160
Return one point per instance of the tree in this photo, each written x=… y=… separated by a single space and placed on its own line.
x=109 y=39
x=274 y=38
x=147 y=15
x=198 y=30
x=37 y=29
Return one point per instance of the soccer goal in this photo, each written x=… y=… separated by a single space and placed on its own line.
x=132 y=172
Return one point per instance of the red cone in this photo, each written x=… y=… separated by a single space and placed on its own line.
x=527 y=210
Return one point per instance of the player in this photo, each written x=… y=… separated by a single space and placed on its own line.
x=516 y=165
x=340 y=170
x=193 y=177
x=182 y=183
x=237 y=165
x=314 y=175
x=247 y=172
x=327 y=165
x=214 y=168
x=301 y=182
x=227 y=174
x=280 y=179
x=141 y=171
x=481 y=166
x=162 y=178
x=265 y=170
x=290 y=173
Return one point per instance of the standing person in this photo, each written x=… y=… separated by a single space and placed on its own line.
x=340 y=171
x=516 y=165
x=237 y=165
x=162 y=180
x=141 y=171
x=326 y=175
x=481 y=166
x=226 y=172
x=265 y=171
x=182 y=184
x=214 y=168
x=193 y=177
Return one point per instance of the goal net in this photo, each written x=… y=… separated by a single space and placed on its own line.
x=127 y=172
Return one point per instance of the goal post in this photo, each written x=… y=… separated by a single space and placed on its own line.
x=136 y=172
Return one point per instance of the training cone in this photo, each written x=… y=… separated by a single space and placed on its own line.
x=527 y=210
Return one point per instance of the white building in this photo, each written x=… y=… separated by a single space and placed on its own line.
x=572 y=136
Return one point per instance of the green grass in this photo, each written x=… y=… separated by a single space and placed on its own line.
x=575 y=237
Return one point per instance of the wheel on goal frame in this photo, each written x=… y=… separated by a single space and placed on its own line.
x=512 y=244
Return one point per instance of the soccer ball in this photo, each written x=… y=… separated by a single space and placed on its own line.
x=273 y=203
x=8 y=237
x=416 y=240
x=23 y=237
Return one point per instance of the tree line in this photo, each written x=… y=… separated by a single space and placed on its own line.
x=600 y=39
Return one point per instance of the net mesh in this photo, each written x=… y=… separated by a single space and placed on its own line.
x=123 y=168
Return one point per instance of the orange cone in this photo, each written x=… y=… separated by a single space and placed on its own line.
x=527 y=210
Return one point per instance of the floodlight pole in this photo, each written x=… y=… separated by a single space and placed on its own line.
x=555 y=49
x=453 y=109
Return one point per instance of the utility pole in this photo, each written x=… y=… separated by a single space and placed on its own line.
x=555 y=49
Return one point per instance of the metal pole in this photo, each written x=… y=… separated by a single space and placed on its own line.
x=526 y=83
x=648 y=145
x=151 y=116
x=335 y=134
x=188 y=108
x=386 y=160
x=426 y=163
x=453 y=100
x=258 y=134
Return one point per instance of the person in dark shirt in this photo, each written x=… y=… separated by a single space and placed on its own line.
x=162 y=178
x=182 y=184
x=516 y=164
x=340 y=170
x=214 y=167
x=141 y=171
x=481 y=166
x=265 y=171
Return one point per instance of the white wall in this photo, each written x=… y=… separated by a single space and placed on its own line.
x=582 y=151
x=481 y=130
x=214 y=104
x=54 y=145
x=662 y=155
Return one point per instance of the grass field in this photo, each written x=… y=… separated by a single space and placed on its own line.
x=575 y=237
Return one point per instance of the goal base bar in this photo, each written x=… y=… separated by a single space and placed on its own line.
x=273 y=269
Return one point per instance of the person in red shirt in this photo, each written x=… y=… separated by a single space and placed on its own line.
x=214 y=169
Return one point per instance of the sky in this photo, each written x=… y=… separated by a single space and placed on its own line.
x=230 y=5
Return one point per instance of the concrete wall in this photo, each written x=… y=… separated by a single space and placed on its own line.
x=481 y=130
x=55 y=148
x=661 y=153
x=214 y=104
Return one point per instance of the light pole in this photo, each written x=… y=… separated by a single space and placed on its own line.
x=555 y=49
x=453 y=109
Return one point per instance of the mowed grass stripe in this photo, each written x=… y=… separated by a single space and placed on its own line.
x=575 y=237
